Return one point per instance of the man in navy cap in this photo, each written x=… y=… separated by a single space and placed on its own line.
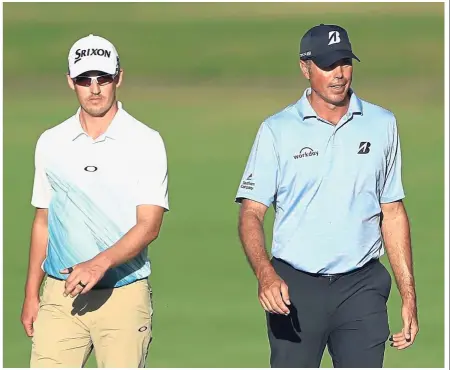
x=330 y=165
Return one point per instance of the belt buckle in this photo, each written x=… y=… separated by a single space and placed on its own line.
x=331 y=277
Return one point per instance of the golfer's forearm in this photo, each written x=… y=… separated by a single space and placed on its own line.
x=251 y=234
x=397 y=239
x=38 y=248
x=129 y=246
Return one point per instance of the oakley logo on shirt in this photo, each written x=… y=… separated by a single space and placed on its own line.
x=90 y=168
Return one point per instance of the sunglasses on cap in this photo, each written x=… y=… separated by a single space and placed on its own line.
x=101 y=80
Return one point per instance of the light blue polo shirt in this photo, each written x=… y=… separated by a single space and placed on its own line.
x=326 y=183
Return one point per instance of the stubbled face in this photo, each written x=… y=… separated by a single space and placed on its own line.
x=98 y=98
x=331 y=84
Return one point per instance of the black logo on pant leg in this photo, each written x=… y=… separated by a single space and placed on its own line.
x=143 y=328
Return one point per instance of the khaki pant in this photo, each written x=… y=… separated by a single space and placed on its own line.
x=116 y=323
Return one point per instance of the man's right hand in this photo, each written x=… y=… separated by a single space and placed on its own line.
x=273 y=294
x=30 y=310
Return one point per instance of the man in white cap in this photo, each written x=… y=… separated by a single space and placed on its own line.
x=100 y=193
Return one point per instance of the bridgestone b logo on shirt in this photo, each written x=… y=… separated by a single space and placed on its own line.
x=305 y=153
x=81 y=53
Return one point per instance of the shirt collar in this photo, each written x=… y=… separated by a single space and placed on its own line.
x=305 y=110
x=112 y=132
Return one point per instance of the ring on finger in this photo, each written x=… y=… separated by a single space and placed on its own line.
x=82 y=284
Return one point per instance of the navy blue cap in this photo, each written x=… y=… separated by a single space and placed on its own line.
x=325 y=45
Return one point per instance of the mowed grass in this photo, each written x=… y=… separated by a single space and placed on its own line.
x=205 y=76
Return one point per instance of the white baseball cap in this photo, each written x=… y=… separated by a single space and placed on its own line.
x=92 y=53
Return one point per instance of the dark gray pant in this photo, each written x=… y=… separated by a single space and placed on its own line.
x=347 y=313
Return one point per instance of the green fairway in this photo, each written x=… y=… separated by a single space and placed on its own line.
x=206 y=76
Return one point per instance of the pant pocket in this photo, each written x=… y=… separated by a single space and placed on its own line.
x=384 y=281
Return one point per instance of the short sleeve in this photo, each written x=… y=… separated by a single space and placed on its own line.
x=42 y=190
x=259 y=181
x=152 y=184
x=393 y=186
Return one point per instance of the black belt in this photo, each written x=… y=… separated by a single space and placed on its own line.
x=335 y=276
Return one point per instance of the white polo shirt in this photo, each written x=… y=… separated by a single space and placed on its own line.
x=92 y=188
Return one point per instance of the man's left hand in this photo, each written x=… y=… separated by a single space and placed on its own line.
x=406 y=337
x=83 y=277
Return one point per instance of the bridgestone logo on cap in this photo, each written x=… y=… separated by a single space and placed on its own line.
x=80 y=53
